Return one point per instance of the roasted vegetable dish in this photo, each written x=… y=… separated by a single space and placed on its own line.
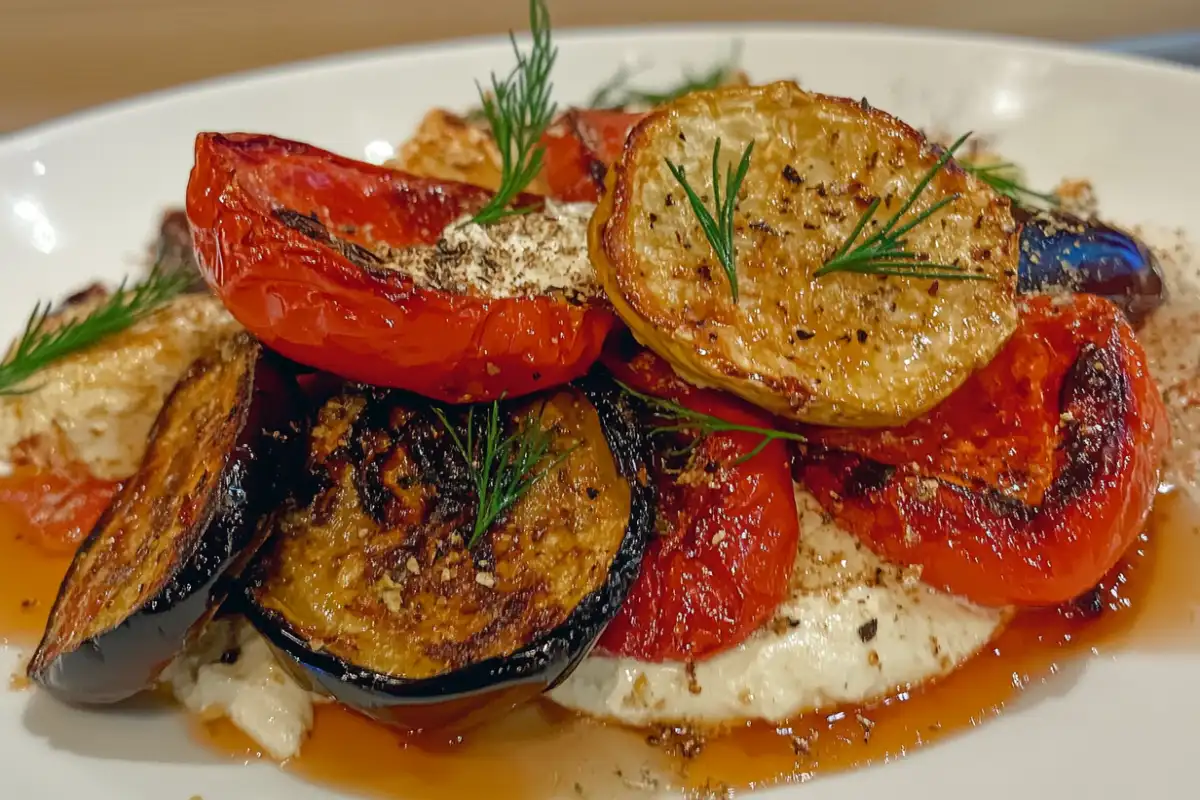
x=381 y=567
x=158 y=561
x=689 y=409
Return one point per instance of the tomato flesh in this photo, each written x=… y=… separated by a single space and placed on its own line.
x=726 y=535
x=580 y=147
x=56 y=500
x=1027 y=484
x=298 y=288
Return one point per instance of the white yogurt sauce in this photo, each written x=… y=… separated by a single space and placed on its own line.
x=853 y=629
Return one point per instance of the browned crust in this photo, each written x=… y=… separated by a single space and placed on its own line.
x=381 y=547
x=154 y=523
x=618 y=263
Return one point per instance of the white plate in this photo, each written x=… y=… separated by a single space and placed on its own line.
x=79 y=198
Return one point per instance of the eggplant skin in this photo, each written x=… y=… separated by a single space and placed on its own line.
x=159 y=560
x=173 y=250
x=463 y=696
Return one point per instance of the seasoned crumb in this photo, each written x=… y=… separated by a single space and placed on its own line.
x=867 y=726
x=523 y=255
x=693 y=683
x=637 y=696
x=1078 y=197
x=679 y=741
x=803 y=745
x=485 y=579
x=867 y=631
x=19 y=681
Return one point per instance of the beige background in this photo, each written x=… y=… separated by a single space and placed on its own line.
x=57 y=56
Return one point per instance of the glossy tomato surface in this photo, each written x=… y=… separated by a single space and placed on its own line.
x=726 y=534
x=579 y=148
x=286 y=233
x=1027 y=484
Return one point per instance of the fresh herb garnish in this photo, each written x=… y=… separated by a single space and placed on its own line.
x=885 y=252
x=502 y=468
x=518 y=110
x=617 y=93
x=719 y=228
x=701 y=425
x=1002 y=178
x=41 y=344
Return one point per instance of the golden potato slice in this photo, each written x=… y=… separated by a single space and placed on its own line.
x=838 y=349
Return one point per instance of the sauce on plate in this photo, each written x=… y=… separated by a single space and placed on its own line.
x=44 y=514
x=1151 y=601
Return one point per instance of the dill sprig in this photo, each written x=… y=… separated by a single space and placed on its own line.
x=518 y=110
x=502 y=468
x=41 y=344
x=616 y=93
x=701 y=425
x=1002 y=178
x=885 y=252
x=719 y=228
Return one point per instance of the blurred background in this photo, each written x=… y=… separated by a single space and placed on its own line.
x=58 y=56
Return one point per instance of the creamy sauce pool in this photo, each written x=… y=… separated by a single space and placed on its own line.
x=1150 y=602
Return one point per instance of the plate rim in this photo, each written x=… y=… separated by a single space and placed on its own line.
x=1086 y=54
x=181 y=99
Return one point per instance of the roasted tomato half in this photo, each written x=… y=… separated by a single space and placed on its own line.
x=726 y=534
x=580 y=146
x=343 y=266
x=1029 y=482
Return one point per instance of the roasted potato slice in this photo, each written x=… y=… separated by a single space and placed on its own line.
x=839 y=349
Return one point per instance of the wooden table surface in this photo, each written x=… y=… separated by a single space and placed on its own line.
x=58 y=56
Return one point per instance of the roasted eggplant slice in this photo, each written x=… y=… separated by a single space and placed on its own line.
x=152 y=569
x=371 y=584
x=1062 y=251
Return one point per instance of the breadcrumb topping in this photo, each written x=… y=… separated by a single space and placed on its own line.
x=542 y=252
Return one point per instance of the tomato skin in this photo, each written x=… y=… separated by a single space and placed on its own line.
x=311 y=303
x=58 y=501
x=580 y=146
x=1086 y=372
x=726 y=535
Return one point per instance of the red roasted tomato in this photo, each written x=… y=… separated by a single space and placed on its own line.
x=579 y=148
x=726 y=535
x=280 y=229
x=1027 y=484
x=56 y=498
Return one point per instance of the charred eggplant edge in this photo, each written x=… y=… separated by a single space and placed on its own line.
x=551 y=658
x=122 y=660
